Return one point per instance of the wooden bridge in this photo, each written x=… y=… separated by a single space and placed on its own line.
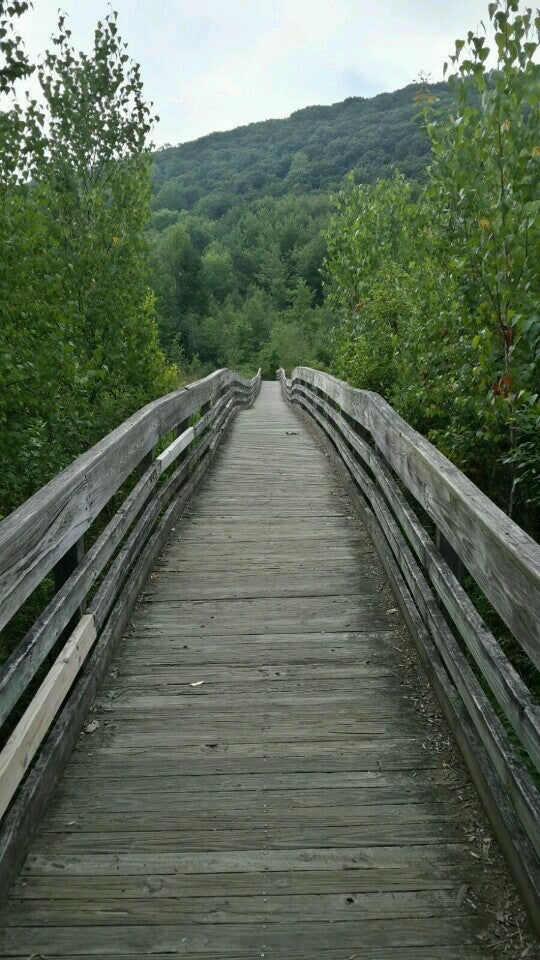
x=220 y=741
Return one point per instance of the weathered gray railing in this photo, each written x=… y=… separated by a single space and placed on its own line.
x=474 y=680
x=95 y=590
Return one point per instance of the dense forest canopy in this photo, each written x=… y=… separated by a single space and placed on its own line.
x=239 y=222
x=391 y=240
x=312 y=150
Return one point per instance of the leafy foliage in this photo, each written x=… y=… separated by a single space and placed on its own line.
x=432 y=294
x=437 y=286
x=244 y=290
x=484 y=181
x=310 y=151
x=78 y=341
x=239 y=228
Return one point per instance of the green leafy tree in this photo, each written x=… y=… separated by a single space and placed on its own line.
x=78 y=341
x=437 y=289
x=178 y=282
x=484 y=186
x=217 y=271
x=34 y=350
x=222 y=284
x=96 y=168
x=385 y=280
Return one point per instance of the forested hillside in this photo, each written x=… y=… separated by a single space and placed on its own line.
x=239 y=226
x=100 y=265
x=312 y=150
x=393 y=241
x=415 y=275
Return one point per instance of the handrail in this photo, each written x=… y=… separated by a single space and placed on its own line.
x=501 y=557
x=45 y=535
x=473 y=678
x=35 y=537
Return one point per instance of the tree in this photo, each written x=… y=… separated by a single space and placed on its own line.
x=78 y=340
x=484 y=184
x=33 y=351
x=437 y=288
x=178 y=282
x=96 y=167
x=14 y=67
x=217 y=271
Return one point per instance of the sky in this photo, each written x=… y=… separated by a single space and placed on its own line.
x=217 y=64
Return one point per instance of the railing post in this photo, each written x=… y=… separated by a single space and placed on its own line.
x=320 y=394
x=62 y=572
x=146 y=461
x=450 y=556
x=180 y=427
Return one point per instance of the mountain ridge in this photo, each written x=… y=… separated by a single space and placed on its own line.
x=310 y=150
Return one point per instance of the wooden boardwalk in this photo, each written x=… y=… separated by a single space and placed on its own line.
x=258 y=783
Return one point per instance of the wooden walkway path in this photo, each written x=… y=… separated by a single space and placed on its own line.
x=258 y=782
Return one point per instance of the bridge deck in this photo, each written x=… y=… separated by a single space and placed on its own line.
x=260 y=782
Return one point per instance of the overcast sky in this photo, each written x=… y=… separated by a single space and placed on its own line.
x=215 y=64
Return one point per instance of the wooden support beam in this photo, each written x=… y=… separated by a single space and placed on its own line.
x=62 y=572
x=175 y=449
x=146 y=462
x=66 y=565
x=25 y=740
x=448 y=553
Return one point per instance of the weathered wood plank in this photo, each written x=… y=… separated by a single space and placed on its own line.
x=175 y=448
x=519 y=705
x=304 y=858
x=241 y=759
x=228 y=819
x=286 y=648
x=289 y=804
x=190 y=798
x=289 y=882
x=36 y=535
x=466 y=952
x=25 y=740
x=501 y=557
x=247 y=555
x=323 y=907
x=209 y=789
x=226 y=586
x=245 y=938
x=236 y=617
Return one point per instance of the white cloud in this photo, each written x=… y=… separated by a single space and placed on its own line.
x=213 y=65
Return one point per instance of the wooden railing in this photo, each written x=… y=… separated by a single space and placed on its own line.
x=95 y=589
x=436 y=533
